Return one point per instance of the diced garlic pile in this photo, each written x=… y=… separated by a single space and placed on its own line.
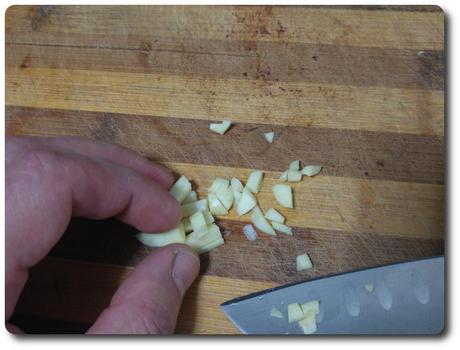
x=304 y=314
x=294 y=174
x=197 y=228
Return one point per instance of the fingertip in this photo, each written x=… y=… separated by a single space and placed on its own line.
x=153 y=209
x=162 y=175
x=171 y=212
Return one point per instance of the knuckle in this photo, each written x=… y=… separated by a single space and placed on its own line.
x=37 y=164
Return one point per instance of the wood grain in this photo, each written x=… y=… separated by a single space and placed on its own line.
x=270 y=259
x=327 y=25
x=363 y=154
x=359 y=90
x=321 y=64
x=79 y=291
x=278 y=103
x=344 y=204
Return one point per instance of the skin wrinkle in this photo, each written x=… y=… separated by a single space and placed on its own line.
x=156 y=312
x=95 y=149
x=97 y=188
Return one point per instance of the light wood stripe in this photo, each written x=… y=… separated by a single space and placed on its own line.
x=329 y=26
x=343 y=204
x=302 y=104
x=78 y=291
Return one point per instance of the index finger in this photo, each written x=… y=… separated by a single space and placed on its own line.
x=43 y=191
x=91 y=148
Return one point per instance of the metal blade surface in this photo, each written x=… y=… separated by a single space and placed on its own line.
x=408 y=298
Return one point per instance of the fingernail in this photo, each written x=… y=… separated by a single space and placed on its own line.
x=185 y=269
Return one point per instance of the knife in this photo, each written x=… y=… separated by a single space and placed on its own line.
x=407 y=298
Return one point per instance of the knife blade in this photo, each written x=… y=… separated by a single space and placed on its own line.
x=408 y=298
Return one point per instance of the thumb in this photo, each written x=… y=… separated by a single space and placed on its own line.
x=149 y=300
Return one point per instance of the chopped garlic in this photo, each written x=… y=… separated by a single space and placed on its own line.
x=311 y=170
x=274 y=215
x=236 y=198
x=283 y=194
x=220 y=128
x=276 y=313
x=218 y=184
x=236 y=184
x=205 y=242
x=208 y=217
x=249 y=232
x=269 y=136
x=176 y=235
x=246 y=203
x=284 y=176
x=213 y=245
x=259 y=221
x=294 y=165
x=191 y=208
x=294 y=312
x=215 y=205
x=303 y=262
x=282 y=228
x=225 y=196
x=255 y=181
x=198 y=221
x=294 y=176
x=369 y=287
x=196 y=217
x=181 y=189
x=200 y=237
x=187 y=225
x=197 y=238
x=192 y=197
x=308 y=324
x=310 y=306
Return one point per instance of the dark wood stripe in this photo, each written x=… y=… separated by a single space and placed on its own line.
x=266 y=259
x=350 y=153
x=266 y=61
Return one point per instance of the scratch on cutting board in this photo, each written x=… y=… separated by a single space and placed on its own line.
x=179 y=22
x=338 y=205
x=243 y=155
x=280 y=143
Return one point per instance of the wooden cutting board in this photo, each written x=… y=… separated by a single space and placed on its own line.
x=359 y=90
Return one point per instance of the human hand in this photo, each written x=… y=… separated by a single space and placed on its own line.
x=49 y=180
